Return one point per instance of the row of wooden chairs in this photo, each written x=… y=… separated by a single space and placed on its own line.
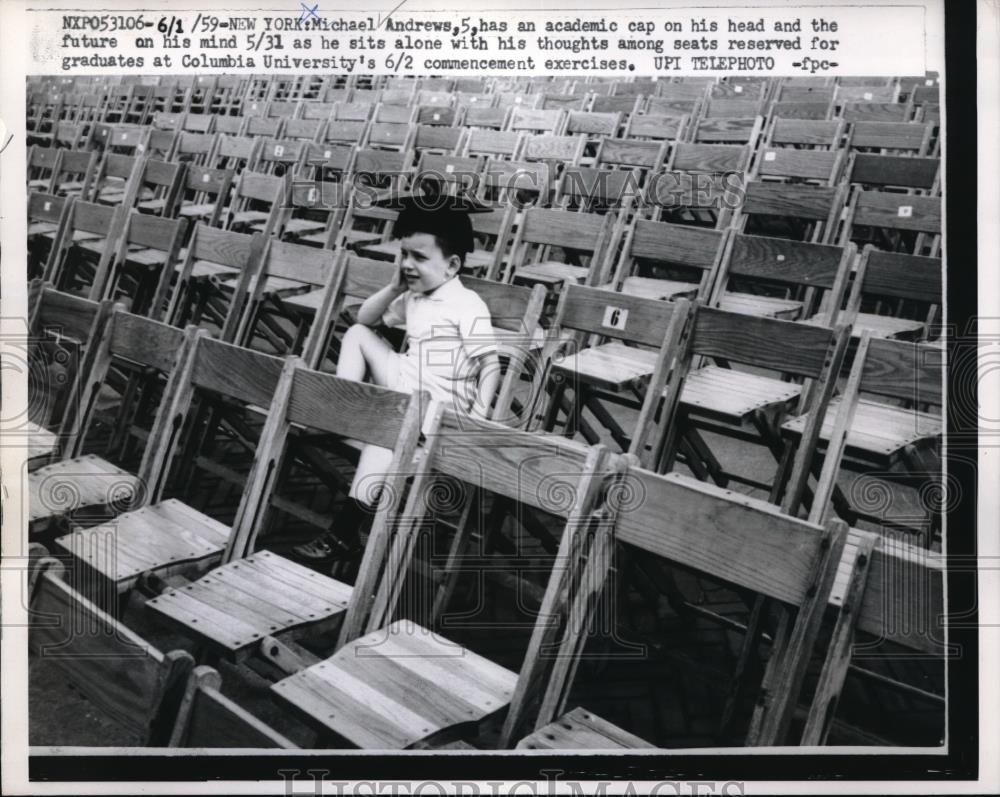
x=145 y=538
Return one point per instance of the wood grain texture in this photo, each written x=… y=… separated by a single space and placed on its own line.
x=895 y=170
x=783 y=260
x=800 y=164
x=903 y=276
x=225 y=248
x=783 y=346
x=580 y=729
x=235 y=372
x=889 y=135
x=730 y=130
x=676 y=243
x=643 y=321
x=908 y=371
x=355 y=410
x=632 y=152
x=898 y=212
x=143 y=341
x=812 y=202
x=689 y=157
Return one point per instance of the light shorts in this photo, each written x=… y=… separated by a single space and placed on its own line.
x=404 y=375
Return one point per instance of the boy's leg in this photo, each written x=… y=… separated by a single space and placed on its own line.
x=362 y=350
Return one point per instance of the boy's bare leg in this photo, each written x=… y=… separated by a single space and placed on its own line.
x=362 y=351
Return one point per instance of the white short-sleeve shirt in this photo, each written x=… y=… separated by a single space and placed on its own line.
x=447 y=331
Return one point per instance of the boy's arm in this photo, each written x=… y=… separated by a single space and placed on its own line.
x=371 y=311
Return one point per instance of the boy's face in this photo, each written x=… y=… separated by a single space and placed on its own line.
x=424 y=265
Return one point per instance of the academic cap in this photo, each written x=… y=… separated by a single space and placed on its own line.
x=442 y=215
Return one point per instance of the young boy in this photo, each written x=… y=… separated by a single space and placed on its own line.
x=450 y=350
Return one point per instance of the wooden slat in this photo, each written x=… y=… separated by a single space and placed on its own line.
x=235 y=372
x=580 y=729
x=784 y=260
x=796 y=201
x=783 y=346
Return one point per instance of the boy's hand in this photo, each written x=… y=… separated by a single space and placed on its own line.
x=398 y=284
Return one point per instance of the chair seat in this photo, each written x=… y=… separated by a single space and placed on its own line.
x=153 y=204
x=43 y=184
x=650 y=288
x=734 y=394
x=878 y=429
x=551 y=273
x=298 y=226
x=70 y=187
x=249 y=216
x=42 y=228
x=146 y=257
x=204 y=269
x=74 y=484
x=155 y=537
x=234 y=606
x=611 y=365
x=879 y=326
x=397 y=686
x=42 y=442
x=307 y=303
x=580 y=729
x=199 y=210
x=766 y=306
x=318 y=238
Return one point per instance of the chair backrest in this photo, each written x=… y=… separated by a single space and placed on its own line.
x=86 y=217
x=824 y=268
x=234 y=250
x=207 y=718
x=540 y=229
x=900 y=171
x=727 y=130
x=567 y=150
x=892 y=211
x=517 y=310
x=161 y=235
x=898 y=276
x=204 y=184
x=672 y=245
x=779 y=163
x=309 y=265
x=593 y=124
x=657 y=127
x=743 y=542
x=253 y=188
x=123 y=675
x=82 y=165
x=903 y=136
x=496 y=143
x=817 y=205
x=789 y=131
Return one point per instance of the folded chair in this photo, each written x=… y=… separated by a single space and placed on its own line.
x=209 y=719
x=129 y=680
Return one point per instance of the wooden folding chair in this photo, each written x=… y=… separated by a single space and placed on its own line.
x=582 y=239
x=84 y=248
x=75 y=173
x=63 y=330
x=800 y=211
x=127 y=678
x=660 y=260
x=116 y=179
x=792 y=280
x=895 y=222
x=374 y=173
x=496 y=144
x=155 y=189
x=235 y=152
x=727 y=130
x=144 y=261
x=43 y=166
x=164 y=535
x=86 y=488
x=285 y=269
x=913 y=283
x=195 y=147
x=208 y=719
x=202 y=195
x=399 y=669
x=700 y=184
x=315 y=210
x=255 y=204
x=217 y=268
x=47 y=214
x=608 y=347
x=281 y=156
x=238 y=618
x=438 y=139
x=892 y=433
x=626 y=106
x=878 y=112
x=707 y=530
x=750 y=405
